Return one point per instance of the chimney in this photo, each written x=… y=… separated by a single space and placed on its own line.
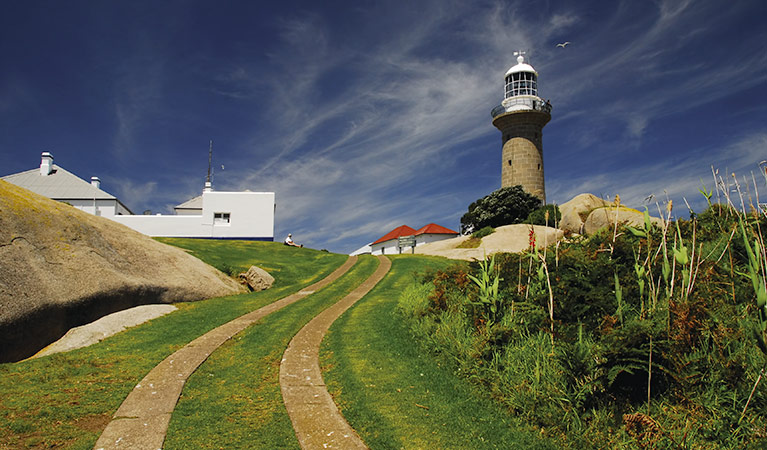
x=95 y=182
x=46 y=164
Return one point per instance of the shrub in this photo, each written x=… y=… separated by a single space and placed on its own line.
x=538 y=216
x=505 y=206
x=486 y=231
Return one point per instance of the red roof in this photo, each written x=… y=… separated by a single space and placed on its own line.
x=433 y=228
x=402 y=230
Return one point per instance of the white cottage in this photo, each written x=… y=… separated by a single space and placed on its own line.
x=388 y=244
x=54 y=182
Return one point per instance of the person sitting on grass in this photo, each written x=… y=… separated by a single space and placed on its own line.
x=289 y=241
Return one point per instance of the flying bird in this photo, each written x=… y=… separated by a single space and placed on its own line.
x=563 y=44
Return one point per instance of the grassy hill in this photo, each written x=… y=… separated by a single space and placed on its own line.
x=233 y=400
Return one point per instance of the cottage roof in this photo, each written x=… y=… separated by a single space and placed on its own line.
x=192 y=203
x=60 y=184
x=433 y=228
x=402 y=230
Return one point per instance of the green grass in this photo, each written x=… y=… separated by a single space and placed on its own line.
x=65 y=400
x=233 y=400
x=384 y=382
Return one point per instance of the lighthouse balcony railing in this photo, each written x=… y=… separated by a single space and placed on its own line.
x=528 y=103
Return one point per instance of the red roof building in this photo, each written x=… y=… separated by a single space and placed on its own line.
x=433 y=228
x=388 y=244
x=402 y=230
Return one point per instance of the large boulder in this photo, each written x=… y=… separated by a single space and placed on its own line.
x=609 y=215
x=575 y=212
x=61 y=267
x=257 y=278
x=508 y=238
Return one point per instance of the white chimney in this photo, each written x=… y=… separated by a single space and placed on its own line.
x=46 y=165
x=95 y=182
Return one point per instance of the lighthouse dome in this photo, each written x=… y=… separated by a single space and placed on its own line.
x=521 y=66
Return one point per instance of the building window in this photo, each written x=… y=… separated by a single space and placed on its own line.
x=509 y=162
x=221 y=218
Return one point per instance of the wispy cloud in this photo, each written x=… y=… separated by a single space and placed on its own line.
x=137 y=96
x=674 y=178
x=361 y=128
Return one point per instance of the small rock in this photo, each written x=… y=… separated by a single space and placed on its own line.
x=257 y=279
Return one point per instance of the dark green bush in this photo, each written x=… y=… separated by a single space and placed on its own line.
x=505 y=206
x=486 y=231
x=538 y=216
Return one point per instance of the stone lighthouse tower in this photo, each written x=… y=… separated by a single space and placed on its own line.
x=521 y=118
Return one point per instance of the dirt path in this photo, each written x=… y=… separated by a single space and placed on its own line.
x=315 y=417
x=142 y=420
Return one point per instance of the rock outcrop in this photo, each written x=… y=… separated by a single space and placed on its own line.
x=508 y=238
x=257 y=278
x=587 y=213
x=576 y=211
x=607 y=217
x=61 y=267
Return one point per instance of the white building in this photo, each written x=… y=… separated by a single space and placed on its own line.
x=212 y=215
x=222 y=215
x=54 y=182
x=389 y=244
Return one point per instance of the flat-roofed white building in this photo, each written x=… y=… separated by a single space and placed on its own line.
x=222 y=215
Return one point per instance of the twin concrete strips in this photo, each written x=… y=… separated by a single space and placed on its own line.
x=141 y=422
x=316 y=419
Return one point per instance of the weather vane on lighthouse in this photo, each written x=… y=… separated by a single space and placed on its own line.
x=521 y=117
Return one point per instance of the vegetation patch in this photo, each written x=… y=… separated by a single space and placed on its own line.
x=471 y=242
x=506 y=206
x=547 y=215
x=393 y=393
x=475 y=240
x=646 y=337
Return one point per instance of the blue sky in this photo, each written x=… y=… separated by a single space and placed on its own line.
x=362 y=116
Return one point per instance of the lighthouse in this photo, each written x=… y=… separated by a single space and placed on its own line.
x=521 y=117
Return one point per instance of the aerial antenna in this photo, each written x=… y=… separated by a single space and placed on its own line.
x=210 y=159
x=208 y=184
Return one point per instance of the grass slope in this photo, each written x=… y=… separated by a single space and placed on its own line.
x=393 y=393
x=234 y=398
x=65 y=400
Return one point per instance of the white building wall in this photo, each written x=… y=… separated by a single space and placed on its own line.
x=251 y=216
x=251 y=213
x=101 y=207
x=364 y=250
x=427 y=238
x=389 y=247
x=165 y=226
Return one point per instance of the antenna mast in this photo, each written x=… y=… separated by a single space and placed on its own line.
x=210 y=160
x=208 y=184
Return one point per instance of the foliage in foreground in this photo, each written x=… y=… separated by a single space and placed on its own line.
x=393 y=395
x=650 y=337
